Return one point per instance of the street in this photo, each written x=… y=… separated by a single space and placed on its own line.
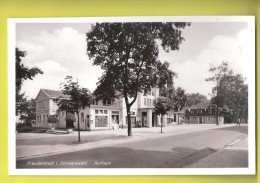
x=165 y=151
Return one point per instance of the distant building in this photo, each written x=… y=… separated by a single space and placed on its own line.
x=202 y=113
x=176 y=117
x=101 y=114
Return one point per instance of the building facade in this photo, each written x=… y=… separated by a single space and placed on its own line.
x=101 y=114
x=202 y=113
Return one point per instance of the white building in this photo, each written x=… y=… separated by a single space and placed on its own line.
x=101 y=114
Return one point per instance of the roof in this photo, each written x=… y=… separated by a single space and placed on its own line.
x=54 y=93
x=203 y=105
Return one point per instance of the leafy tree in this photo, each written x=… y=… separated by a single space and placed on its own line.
x=22 y=73
x=161 y=106
x=128 y=52
x=78 y=98
x=195 y=98
x=179 y=99
x=28 y=111
x=230 y=91
x=52 y=119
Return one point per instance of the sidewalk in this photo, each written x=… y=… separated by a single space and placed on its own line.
x=30 y=145
x=234 y=154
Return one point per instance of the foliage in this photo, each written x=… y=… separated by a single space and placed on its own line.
x=195 y=98
x=128 y=52
x=70 y=119
x=179 y=99
x=52 y=119
x=28 y=111
x=78 y=98
x=22 y=73
x=161 y=106
x=24 y=128
x=230 y=91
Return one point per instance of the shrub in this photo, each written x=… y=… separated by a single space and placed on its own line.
x=23 y=128
x=52 y=119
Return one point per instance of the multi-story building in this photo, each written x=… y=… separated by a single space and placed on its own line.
x=101 y=114
x=203 y=113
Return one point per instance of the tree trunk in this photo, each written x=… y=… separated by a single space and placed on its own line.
x=161 y=122
x=129 y=129
x=78 y=127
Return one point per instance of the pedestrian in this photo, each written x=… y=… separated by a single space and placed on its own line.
x=238 y=122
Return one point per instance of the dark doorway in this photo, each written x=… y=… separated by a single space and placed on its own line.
x=144 y=119
x=200 y=120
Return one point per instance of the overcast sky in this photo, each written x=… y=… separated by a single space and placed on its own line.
x=60 y=50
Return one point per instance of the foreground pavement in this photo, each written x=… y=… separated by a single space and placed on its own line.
x=33 y=144
x=190 y=146
x=234 y=154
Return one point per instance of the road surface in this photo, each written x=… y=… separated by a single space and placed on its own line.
x=172 y=151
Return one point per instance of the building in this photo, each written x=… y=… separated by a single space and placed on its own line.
x=101 y=114
x=203 y=113
x=176 y=117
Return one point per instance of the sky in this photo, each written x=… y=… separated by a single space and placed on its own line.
x=59 y=49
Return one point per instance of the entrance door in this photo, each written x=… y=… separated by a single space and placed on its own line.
x=144 y=119
x=200 y=120
x=153 y=119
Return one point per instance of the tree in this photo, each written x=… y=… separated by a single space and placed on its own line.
x=230 y=91
x=28 y=111
x=52 y=119
x=128 y=52
x=78 y=98
x=179 y=99
x=161 y=106
x=195 y=98
x=22 y=73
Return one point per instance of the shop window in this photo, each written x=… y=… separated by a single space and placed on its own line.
x=101 y=121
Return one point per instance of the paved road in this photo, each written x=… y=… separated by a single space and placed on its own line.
x=172 y=151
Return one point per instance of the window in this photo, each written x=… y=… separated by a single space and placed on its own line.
x=152 y=92
x=100 y=111
x=106 y=102
x=43 y=118
x=148 y=102
x=96 y=111
x=82 y=117
x=41 y=104
x=101 y=121
x=144 y=101
x=105 y=111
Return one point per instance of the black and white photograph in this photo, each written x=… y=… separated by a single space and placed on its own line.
x=132 y=95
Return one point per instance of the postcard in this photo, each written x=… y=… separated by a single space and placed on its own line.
x=169 y=95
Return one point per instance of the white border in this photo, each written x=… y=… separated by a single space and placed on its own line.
x=131 y=171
